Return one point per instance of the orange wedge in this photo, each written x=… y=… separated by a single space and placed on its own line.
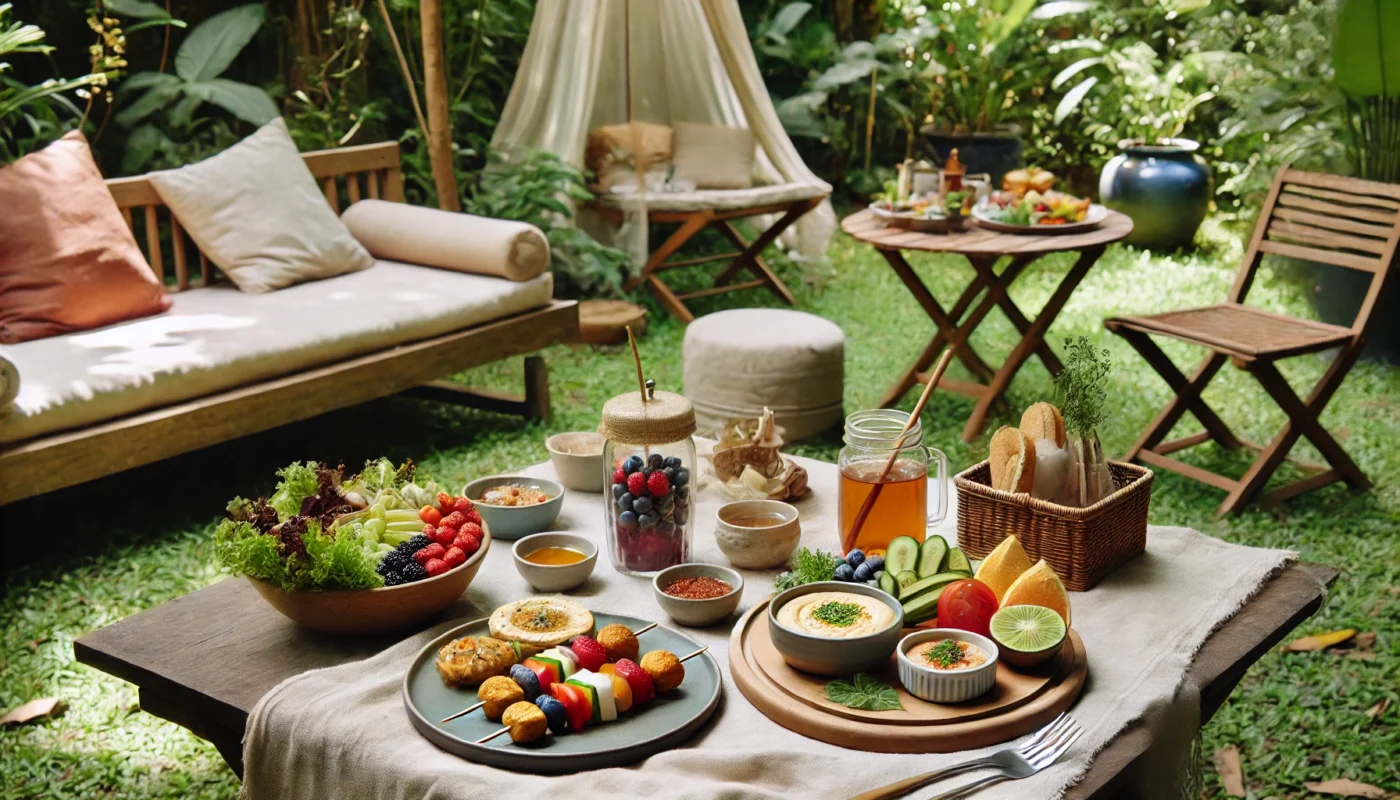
x=1003 y=566
x=1039 y=586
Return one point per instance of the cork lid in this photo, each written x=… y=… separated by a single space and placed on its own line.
x=663 y=418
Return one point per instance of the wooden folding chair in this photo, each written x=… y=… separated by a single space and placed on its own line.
x=748 y=255
x=1345 y=222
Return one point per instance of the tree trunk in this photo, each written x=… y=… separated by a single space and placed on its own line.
x=870 y=19
x=439 y=120
x=844 y=20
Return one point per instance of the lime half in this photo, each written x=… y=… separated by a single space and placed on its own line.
x=1027 y=629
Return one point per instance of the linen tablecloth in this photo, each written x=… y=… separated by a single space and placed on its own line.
x=343 y=732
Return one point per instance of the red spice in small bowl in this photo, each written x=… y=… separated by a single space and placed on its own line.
x=701 y=588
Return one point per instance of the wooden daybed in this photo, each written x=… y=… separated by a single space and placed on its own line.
x=57 y=459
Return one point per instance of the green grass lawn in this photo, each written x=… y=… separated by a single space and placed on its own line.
x=83 y=558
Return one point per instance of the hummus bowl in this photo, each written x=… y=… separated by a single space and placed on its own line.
x=954 y=685
x=835 y=628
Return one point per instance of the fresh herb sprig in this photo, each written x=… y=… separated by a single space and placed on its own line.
x=1081 y=385
x=945 y=654
x=808 y=566
x=864 y=692
x=842 y=615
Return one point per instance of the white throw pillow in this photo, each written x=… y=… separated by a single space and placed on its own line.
x=255 y=210
x=713 y=156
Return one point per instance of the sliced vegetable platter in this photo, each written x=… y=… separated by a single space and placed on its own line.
x=989 y=218
x=663 y=724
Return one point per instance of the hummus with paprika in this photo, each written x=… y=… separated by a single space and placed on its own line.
x=837 y=615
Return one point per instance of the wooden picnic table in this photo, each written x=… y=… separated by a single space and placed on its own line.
x=983 y=248
x=203 y=660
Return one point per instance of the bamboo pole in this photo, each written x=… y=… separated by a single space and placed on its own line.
x=439 y=118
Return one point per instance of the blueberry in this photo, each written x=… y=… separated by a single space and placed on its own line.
x=526 y=679
x=632 y=464
x=670 y=473
x=627 y=519
x=655 y=461
x=647 y=521
x=641 y=505
x=855 y=557
x=624 y=502
x=876 y=563
x=682 y=478
x=553 y=713
x=844 y=572
x=618 y=490
x=863 y=572
x=672 y=462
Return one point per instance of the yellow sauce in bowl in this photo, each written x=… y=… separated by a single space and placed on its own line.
x=554 y=556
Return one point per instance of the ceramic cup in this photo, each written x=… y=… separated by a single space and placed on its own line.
x=761 y=547
x=555 y=577
x=513 y=522
x=697 y=613
x=578 y=460
x=947 y=686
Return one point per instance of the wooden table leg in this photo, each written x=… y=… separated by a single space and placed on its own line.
x=1031 y=340
x=1010 y=309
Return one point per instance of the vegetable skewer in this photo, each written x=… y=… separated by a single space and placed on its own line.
x=530 y=733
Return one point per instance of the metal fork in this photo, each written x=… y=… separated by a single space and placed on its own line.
x=1048 y=754
x=1011 y=761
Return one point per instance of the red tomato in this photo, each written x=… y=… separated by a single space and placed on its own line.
x=968 y=606
x=576 y=705
x=430 y=515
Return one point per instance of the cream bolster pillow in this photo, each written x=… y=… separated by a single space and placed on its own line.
x=429 y=237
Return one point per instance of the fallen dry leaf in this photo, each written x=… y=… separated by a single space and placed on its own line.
x=34 y=709
x=1227 y=764
x=1361 y=646
x=1318 y=641
x=1342 y=787
x=1375 y=711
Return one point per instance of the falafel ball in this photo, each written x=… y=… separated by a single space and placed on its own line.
x=499 y=692
x=619 y=642
x=665 y=669
x=526 y=722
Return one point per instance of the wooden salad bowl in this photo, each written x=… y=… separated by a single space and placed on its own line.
x=364 y=612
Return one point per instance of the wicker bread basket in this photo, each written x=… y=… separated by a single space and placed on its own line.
x=1082 y=544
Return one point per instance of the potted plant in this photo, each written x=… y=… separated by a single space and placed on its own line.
x=1159 y=179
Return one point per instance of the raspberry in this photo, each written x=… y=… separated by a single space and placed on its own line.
x=435 y=567
x=474 y=517
x=433 y=550
x=636 y=484
x=591 y=654
x=620 y=476
x=454 y=557
x=444 y=536
x=468 y=543
x=454 y=520
x=658 y=485
x=473 y=528
x=463 y=505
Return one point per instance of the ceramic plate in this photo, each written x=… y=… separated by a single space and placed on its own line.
x=662 y=724
x=1095 y=215
x=886 y=214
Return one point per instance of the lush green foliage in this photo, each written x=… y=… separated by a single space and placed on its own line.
x=31 y=115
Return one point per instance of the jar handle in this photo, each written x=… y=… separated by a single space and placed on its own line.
x=935 y=455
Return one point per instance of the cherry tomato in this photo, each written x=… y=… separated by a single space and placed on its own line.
x=967 y=605
x=430 y=515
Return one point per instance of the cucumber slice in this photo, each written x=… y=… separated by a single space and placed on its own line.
x=929 y=584
x=958 y=561
x=905 y=578
x=931 y=556
x=901 y=554
x=888 y=584
x=922 y=608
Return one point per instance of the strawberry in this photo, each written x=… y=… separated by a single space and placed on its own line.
x=643 y=689
x=473 y=528
x=454 y=557
x=435 y=567
x=591 y=654
x=429 y=530
x=454 y=520
x=620 y=476
x=636 y=484
x=433 y=550
x=444 y=536
x=474 y=517
x=463 y=505
x=468 y=543
x=658 y=484
x=445 y=501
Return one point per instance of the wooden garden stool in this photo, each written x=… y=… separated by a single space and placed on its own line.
x=983 y=248
x=723 y=207
x=1345 y=222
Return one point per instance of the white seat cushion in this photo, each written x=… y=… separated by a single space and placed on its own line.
x=218 y=338
x=716 y=199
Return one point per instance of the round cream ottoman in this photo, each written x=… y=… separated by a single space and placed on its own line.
x=739 y=361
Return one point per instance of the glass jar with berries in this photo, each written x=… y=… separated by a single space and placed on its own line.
x=651 y=493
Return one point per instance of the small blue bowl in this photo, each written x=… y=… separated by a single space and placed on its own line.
x=513 y=522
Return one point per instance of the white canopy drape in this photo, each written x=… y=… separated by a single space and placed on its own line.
x=677 y=61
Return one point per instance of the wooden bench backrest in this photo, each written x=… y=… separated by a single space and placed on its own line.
x=349 y=173
x=1328 y=219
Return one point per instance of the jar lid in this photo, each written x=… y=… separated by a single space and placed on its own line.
x=663 y=418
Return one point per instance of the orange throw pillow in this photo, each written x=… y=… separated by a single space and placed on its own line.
x=67 y=260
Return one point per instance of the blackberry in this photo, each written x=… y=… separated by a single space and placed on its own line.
x=393 y=578
x=413 y=571
x=393 y=561
x=414 y=545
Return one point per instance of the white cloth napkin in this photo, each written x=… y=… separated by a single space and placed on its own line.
x=342 y=731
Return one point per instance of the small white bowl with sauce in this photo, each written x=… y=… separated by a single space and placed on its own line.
x=956 y=684
x=757 y=534
x=555 y=562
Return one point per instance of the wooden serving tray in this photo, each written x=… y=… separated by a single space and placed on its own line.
x=1021 y=701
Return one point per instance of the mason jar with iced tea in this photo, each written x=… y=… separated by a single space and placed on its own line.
x=902 y=506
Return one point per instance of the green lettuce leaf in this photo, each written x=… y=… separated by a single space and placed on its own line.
x=241 y=549
x=864 y=692
x=341 y=559
x=298 y=483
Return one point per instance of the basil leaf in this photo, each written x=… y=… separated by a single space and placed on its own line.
x=864 y=692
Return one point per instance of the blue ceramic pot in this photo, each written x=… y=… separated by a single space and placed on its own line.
x=1165 y=188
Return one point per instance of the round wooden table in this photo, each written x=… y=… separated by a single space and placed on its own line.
x=983 y=248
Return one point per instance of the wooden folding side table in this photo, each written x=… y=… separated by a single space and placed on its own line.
x=983 y=248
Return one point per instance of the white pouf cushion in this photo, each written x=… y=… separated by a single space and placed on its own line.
x=737 y=362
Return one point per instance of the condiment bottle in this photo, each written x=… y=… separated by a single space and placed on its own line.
x=953 y=171
x=647 y=447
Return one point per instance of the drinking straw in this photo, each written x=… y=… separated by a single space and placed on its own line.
x=849 y=541
x=636 y=357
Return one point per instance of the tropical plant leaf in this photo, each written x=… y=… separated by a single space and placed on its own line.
x=146 y=80
x=844 y=72
x=1074 y=69
x=147 y=104
x=137 y=9
x=787 y=18
x=1072 y=99
x=245 y=101
x=215 y=42
x=864 y=692
x=154 y=23
x=1060 y=8
x=183 y=111
x=1003 y=26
